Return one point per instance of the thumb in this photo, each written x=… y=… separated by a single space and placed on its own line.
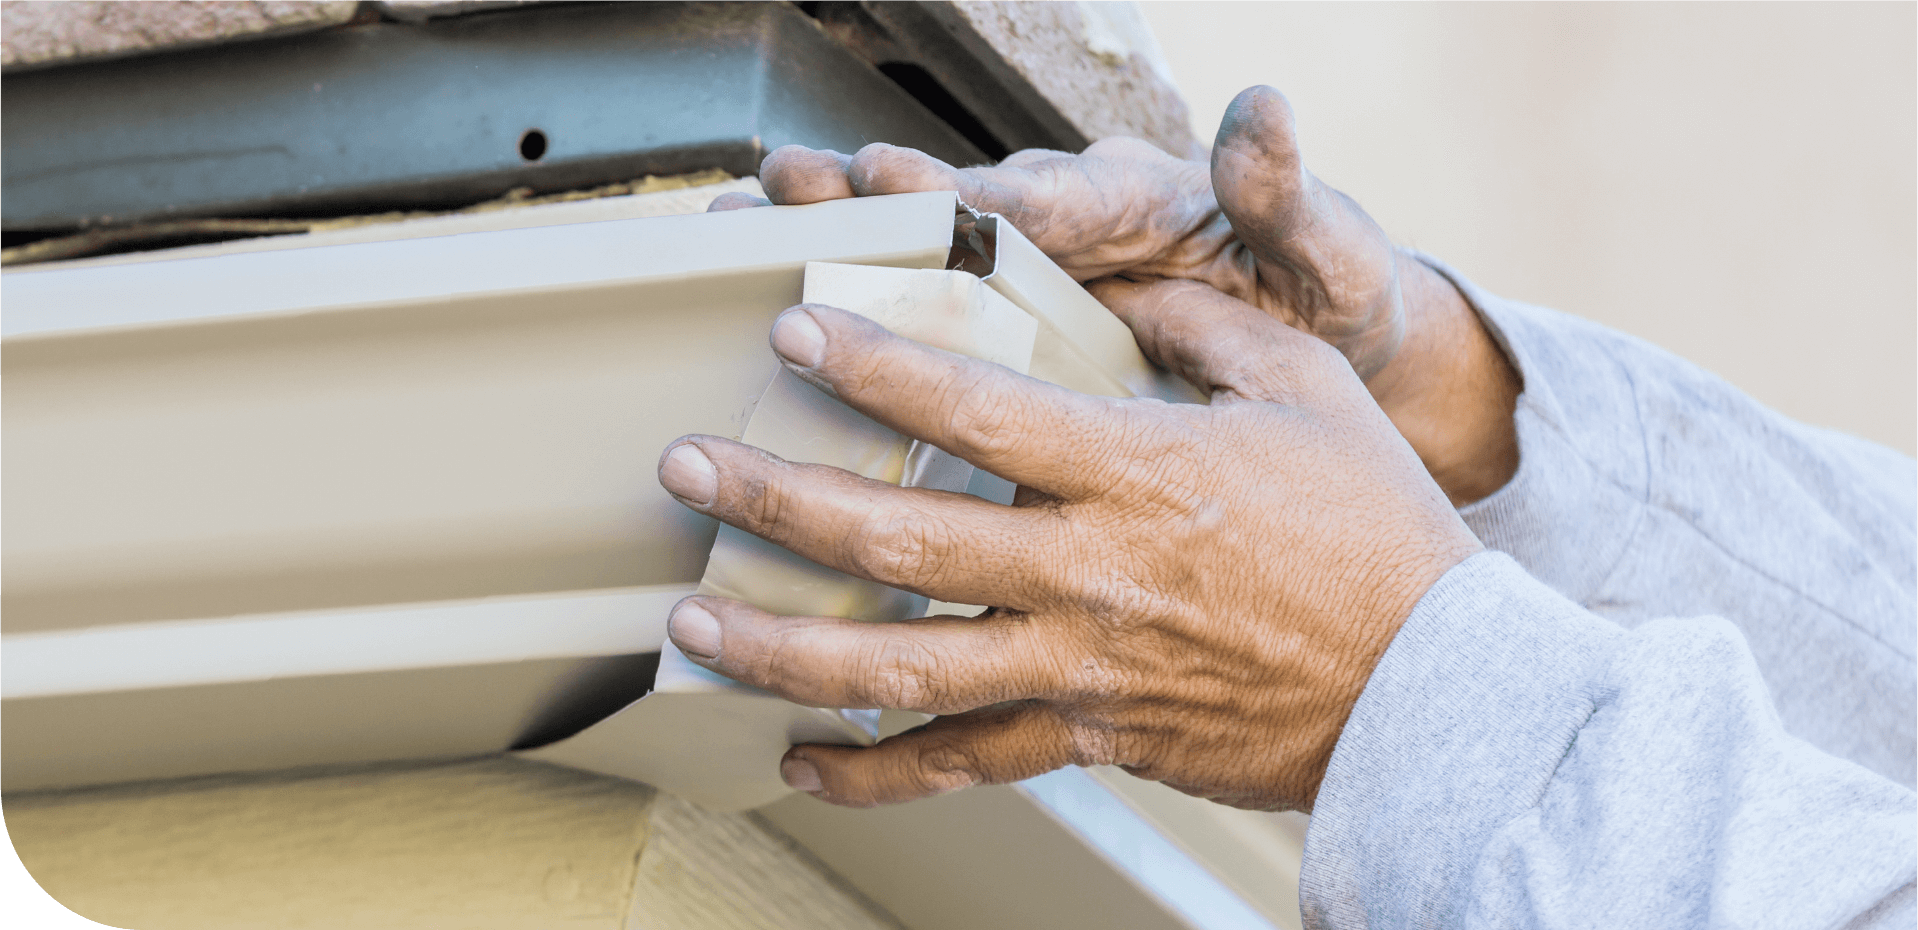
x=1257 y=174
x=1333 y=270
x=1218 y=343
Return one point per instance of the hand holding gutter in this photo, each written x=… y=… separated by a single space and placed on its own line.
x=1254 y=224
x=1196 y=593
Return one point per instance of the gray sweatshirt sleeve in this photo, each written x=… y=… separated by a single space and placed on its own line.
x=1648 y=488
x=1515 y=761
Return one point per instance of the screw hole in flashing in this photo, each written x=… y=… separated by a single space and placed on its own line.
x=532 y=145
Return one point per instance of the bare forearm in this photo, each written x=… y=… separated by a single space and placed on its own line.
x=1449 y=389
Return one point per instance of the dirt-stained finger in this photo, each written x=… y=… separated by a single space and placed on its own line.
x=944 y=545
x=1022 y=429
x=993 y=746
x=934 y=665
x=1025 y=158
x=736 y=200
x=794 y=174
x=1216 y=342
x=1317 y=250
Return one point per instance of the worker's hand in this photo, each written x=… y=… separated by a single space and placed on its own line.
x=1256 y=225
x=1195 y=593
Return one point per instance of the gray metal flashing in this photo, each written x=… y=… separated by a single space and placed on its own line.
x=384 y=115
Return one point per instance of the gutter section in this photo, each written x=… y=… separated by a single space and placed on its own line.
x=433 y=454
x=279 y=506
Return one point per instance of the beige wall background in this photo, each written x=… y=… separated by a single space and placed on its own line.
x=1734 y=182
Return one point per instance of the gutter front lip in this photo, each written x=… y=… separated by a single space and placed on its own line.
x=389 y=637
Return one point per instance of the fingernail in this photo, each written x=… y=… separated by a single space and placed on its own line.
x=689 y=474
x=694 y=631
x=800 y=775
x=799 y=340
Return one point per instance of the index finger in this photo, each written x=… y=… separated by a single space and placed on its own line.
x=1219 y=343
x=936 y=665
x=1010 y=190
x=1022 y=429
x=795 y=174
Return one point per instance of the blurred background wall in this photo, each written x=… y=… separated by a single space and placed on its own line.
x=1731 y=181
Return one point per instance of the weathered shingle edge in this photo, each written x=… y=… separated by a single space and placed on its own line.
x=1096 y=63
x=38 y=35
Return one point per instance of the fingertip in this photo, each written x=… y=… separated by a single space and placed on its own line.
x=1257 y=173
x=835 y=325
x=736 y=200
x=694 y=629
x=799 y=772
x=687 y=473
x=808 y=767
x=1123 y=299
x=795 y=174
x=1256 y=154
x=880 y=168
x=798 y=339
x=1253 y=117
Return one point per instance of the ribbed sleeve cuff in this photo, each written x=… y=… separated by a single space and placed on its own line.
x=1458 y=731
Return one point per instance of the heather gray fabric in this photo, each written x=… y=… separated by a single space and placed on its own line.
x=1516 y=761
x=1648 y=488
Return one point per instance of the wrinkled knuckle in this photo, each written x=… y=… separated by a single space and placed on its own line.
x=1093 y=677
x=905 y=675
x=907 y=550
x=761 y=501
x=942 y=767
x=1093 y=743
x=775 y=660
x=985 y=422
